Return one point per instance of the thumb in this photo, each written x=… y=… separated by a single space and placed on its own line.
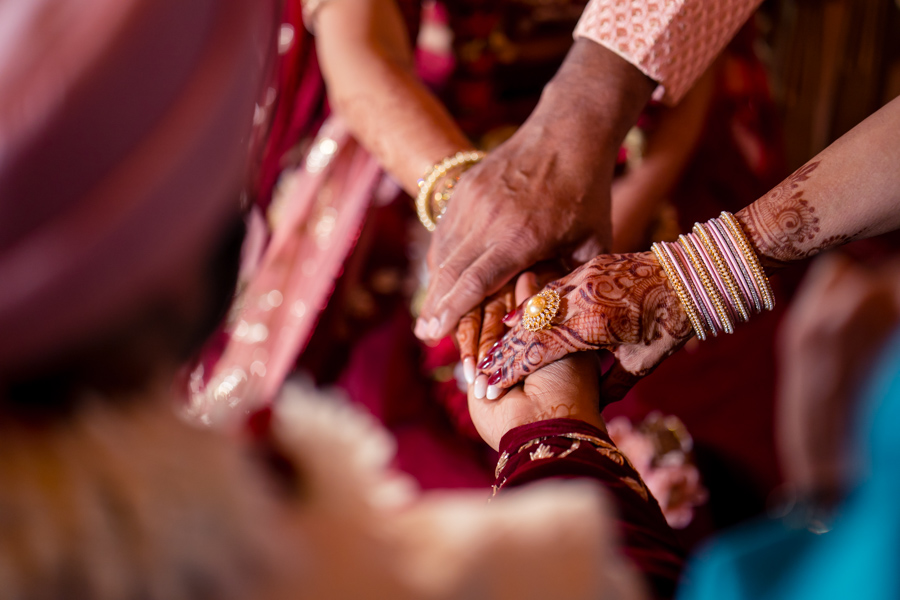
x=526 y=287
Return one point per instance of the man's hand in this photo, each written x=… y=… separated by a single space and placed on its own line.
x=543 y=194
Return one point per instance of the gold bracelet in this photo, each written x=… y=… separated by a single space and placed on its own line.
x=432 y=176
x=718 y=260
x=749 y=253
x=690 y=310
x=711 y=290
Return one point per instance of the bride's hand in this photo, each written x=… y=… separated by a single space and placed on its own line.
x=620 y=302
x=565 y=389
x=479 y=332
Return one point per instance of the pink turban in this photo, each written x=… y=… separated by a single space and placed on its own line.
x=124 y=129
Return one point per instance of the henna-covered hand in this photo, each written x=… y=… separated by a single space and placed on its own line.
x=565 y=389
x=622 y=303
x=481 y=328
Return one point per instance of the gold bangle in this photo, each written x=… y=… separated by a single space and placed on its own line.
x=677 y=285
x=746 y=248
x=711 y=289
x=433 y=175
x=724 y=271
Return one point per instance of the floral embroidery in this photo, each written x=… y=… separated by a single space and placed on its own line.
x=543 y=451
x=575 y=446
x=501 y=464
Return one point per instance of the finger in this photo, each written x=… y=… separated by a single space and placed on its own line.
x=446 y=258
x=445 y=272
x=615 y=383
x=492 y=328
x=491 y=271
x=467 y=334
x=526 y=287
x=523 y=352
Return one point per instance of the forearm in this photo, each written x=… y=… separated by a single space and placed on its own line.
x=597 y=96
x=638 y=195
x=366 y=60
x=849 y=191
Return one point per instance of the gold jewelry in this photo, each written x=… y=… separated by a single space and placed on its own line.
x=718 y=260
x=759 y=275
x=441 y=196
x=677 y=285
x=540 y=310
x=430 y=179
x=711 y=290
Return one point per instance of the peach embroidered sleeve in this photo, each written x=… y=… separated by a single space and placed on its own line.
x=671 y=41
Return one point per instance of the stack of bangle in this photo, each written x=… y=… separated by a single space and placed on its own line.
x=716 y=274
x=435 y=174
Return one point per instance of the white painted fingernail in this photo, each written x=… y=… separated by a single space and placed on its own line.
x=469 y=370
x=480 y=387
x=434 y=327
x=493 y=392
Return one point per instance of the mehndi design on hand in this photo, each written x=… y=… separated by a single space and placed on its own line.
x=623 y=303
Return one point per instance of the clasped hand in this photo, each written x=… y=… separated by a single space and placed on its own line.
x=622 y=303
x=564 y=389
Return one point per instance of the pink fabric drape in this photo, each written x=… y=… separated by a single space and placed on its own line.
x=273 y=317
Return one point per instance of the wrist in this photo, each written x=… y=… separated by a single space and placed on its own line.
x=601 y=89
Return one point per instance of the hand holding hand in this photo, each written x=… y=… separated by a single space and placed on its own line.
x=543 y=194
x=622 y=303
x=565 y=389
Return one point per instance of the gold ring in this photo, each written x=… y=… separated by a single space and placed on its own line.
x=540 y=309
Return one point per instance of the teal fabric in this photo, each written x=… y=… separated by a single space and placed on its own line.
x=858 y=558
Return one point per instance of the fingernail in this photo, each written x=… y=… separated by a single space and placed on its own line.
x=421 y=330
x=496 y=345
x=486 y=362
x=442 y=323
x=479 y=387
x=493 y=392
x=434 y=327
x=509 y=316
x=495 y=378
x=469 y=370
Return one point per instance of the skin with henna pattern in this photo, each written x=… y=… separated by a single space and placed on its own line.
x=622 y=303
x=480 y=329
x=786 y=219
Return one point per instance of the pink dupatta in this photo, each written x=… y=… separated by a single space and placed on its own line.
x=324 y=204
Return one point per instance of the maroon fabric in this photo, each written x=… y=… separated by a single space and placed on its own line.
x=646 y=538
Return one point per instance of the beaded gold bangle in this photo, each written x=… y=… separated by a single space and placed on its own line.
x=690 y=310
x=710 y=287
x=432 y=176
x=731 y=286
x=759 y=275
x=716 y=275
x=742 y=271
